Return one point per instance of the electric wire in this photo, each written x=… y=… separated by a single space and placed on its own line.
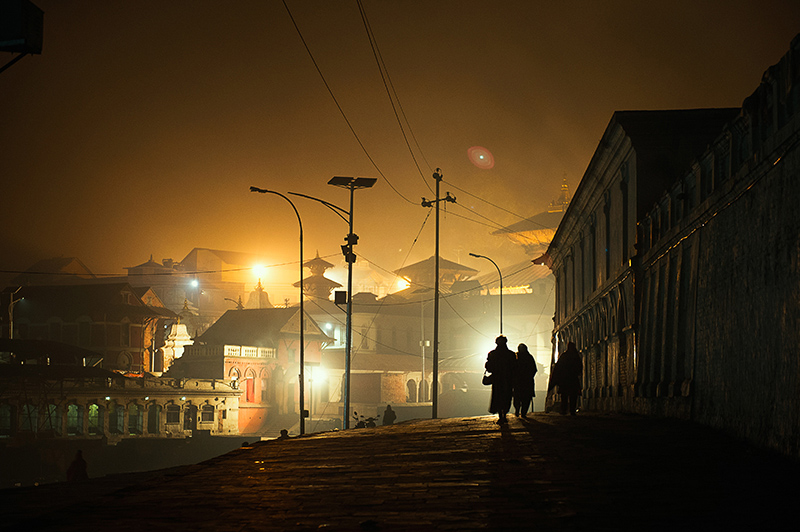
x=493 y=205
x=387 y=83
x=158 y=274
x=389 y=87
x=338 y=106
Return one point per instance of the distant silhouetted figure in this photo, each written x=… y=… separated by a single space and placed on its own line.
x=567 y=376
x=500 y=363
x=524 y=372
x=284 y=435
x=77 y=469
x=388 y=415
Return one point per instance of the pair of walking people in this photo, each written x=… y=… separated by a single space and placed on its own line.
x=511 y=379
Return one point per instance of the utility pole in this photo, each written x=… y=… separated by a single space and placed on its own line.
x=437 y=175
x=12 y=303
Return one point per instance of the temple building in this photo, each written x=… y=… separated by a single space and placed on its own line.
x=317 y=286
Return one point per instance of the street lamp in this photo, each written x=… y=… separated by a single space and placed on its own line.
x=239 y=304
x=11 y=306
x=302 y=316
x=351 y=184
x=501 y=286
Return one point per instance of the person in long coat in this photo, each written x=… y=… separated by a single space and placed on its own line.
x=567 y=376
x=524 y=372
x=500 y=363
x=77 y=469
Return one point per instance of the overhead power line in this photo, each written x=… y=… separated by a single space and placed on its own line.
x=156 y=274
x=338 y=106
x=392 y=93
x=493 y=205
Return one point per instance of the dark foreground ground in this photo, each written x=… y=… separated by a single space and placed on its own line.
x=588 y=472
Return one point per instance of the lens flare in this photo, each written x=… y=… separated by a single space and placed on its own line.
x=481 y=157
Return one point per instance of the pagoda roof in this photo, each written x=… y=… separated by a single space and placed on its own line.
x=542 y=221
x=318 y=262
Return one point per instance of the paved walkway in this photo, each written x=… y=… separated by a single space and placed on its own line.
x=548 y=472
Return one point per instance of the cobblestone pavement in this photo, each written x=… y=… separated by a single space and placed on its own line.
x=547 y=472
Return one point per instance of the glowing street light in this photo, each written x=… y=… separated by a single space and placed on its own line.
x=501 y=286
x=302 y=316
x=259 y=270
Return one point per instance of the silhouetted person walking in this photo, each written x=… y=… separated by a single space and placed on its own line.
x=77 y=469
x=524 y=372
x=567 y=376
x=388 y=415
x=500 y=363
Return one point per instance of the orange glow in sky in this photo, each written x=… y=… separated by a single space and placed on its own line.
x=142 y=125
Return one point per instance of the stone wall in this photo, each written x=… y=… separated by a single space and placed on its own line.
x=719 y=277
x=748 y=312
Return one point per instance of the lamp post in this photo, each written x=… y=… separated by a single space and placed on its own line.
x=11 y=306
x=302 y=315
x=351 y=184
x=239 y=304
x=501 y=286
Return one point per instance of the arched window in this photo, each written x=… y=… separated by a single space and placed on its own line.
x=116 y=418
x=95 y=419
x=52 y=419
x=6 y=421
x=125 y=361
x=135 y=419
x=422 y=396
x=173 y=414
x=411 y=391
x=190 y=418
x=30 y=418
x=74 y=420
x=153 y=419
x=250 y=386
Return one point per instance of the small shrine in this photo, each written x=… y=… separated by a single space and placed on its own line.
x=176 y=340
x=258 y=298
x=317 y=285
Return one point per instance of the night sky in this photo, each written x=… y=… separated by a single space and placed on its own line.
x=141 y=126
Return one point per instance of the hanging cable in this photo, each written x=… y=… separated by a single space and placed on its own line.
x=495 y=206
x=338 y=106
x=390 y=92
x=156 y=274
